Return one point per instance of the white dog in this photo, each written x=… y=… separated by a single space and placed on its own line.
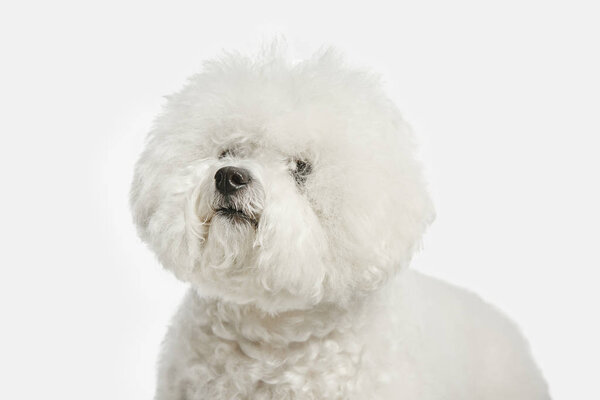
x=289 y=197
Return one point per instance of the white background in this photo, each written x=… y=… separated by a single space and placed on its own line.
x=504 y=95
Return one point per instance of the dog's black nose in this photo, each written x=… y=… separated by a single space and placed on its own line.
x=230 y=179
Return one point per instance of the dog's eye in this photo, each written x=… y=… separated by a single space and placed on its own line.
x=226 y=153
x=301 y=170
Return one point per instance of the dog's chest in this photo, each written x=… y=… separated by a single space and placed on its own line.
x=327 y=368
x=213 y=351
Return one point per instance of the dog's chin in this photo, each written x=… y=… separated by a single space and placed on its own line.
x=233 y=216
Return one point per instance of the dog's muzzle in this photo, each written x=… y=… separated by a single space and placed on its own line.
x=230 y=182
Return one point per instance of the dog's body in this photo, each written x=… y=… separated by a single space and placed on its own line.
x=289 y=197
x=418 y=339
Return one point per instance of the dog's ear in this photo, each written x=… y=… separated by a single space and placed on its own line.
x=159 y=197
x=393 y=250
x=386 y=206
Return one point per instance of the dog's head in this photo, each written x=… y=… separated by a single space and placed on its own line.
x=281 y=185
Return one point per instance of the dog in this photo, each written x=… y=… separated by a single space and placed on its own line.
x=289 y=196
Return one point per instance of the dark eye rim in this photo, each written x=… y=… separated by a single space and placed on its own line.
x=303 y=168
x=225 y=153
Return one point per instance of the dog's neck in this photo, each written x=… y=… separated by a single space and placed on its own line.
x=242 y=347
x=249 y=324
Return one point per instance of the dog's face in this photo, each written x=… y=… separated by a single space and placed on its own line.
x=281 y=186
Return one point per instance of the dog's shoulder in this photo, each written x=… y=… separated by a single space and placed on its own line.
x=468 y=342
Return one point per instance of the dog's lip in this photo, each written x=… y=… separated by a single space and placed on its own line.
x=234 y=213
x=229 y=210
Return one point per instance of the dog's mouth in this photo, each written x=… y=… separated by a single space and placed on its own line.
x=235 y=215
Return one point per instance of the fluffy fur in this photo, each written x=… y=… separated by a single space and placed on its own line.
x=305 y=294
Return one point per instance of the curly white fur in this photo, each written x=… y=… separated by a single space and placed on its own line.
x=300 y=298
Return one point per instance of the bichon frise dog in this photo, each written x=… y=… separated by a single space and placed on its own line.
x=289 y=197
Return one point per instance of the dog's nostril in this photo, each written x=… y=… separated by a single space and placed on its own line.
x=238 y=179
x=230 y=179
x=219 y=176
